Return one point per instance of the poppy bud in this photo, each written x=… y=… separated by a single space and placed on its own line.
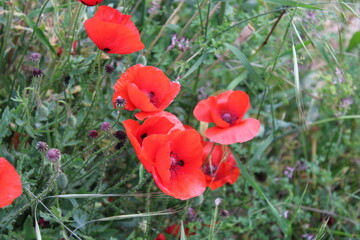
x=72 y=121
x=37 y=72
x=141 y=59
x=53 y=155
x=43 y=111
x=62 y=180
x=42 y=146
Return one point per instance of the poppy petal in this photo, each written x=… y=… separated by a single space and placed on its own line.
x=184 y=185
x=171 y=117
x=140 y=99
x=231 y=177
x=151 y=146
x=112 y=37
x=202 y=111
x=10 y=183
x=123 y=94
x=240 y=133
x=90 y=2
x=216 y=113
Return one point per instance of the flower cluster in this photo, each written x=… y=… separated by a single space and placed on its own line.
x=180 y=160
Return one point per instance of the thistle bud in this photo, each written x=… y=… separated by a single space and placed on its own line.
x=141 y=59
x=43 y=111
x=42 y=146
x=62 y=180
x=72 y=121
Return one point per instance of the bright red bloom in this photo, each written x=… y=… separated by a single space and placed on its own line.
x=220 y=166
x=10 y=183
x=137 y=133
x=90 y=2
x=146 y=88
x=177 y=159
x=113 y=32
x=161 y=236
x=227 y=110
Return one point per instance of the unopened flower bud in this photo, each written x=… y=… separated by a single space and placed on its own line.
x=224 y=213
x=120 y=102
x=93 y=134
x=43 y=111
x=42 y=146
x=120 y=135
x=37 y=72
x=72 y=121
x=141 y=59
x=105 y=126
x=109 y=68
x=62 y=180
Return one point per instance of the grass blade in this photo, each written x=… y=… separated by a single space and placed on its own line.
x=293 y=4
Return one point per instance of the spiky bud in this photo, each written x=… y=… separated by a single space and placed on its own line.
x=35 y=57
x=37 y=72
x=42 y=146
x=105 y=126
x=93 y=134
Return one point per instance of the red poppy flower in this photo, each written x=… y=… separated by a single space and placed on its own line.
x=10 y=183
x=113 y=32
x=227 y=110
x=220 y=166
x=137 y=133
x=90 y=2
x=161 y=236
x=146 y=88
x=177 y=159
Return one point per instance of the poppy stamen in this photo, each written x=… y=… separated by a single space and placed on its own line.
x=175 y=161
x=143 y=136
x=229 y=118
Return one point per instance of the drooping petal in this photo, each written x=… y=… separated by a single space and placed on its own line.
x=171 y=117
x=231 y=177
x=184 y=185
x=10 y=183
x=239 y=133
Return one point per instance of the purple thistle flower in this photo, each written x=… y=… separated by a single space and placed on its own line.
x=105 y=126
x=346 y=102
x=37 y=72
x=53 y=155
x=35 y=57
x=120 y=135
x=224 y=213
x=155 y=7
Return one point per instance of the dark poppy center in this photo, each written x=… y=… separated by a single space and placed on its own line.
x=175 y=161
x=229 y=117
x=144 y=135
x=153 y=99
x=106 y=50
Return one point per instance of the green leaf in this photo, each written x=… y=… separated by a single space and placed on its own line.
x=293 y=4
x=354 y=42
x=252 y=182
x=195 y=66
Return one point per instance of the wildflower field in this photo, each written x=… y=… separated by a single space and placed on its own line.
x=179 y=119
